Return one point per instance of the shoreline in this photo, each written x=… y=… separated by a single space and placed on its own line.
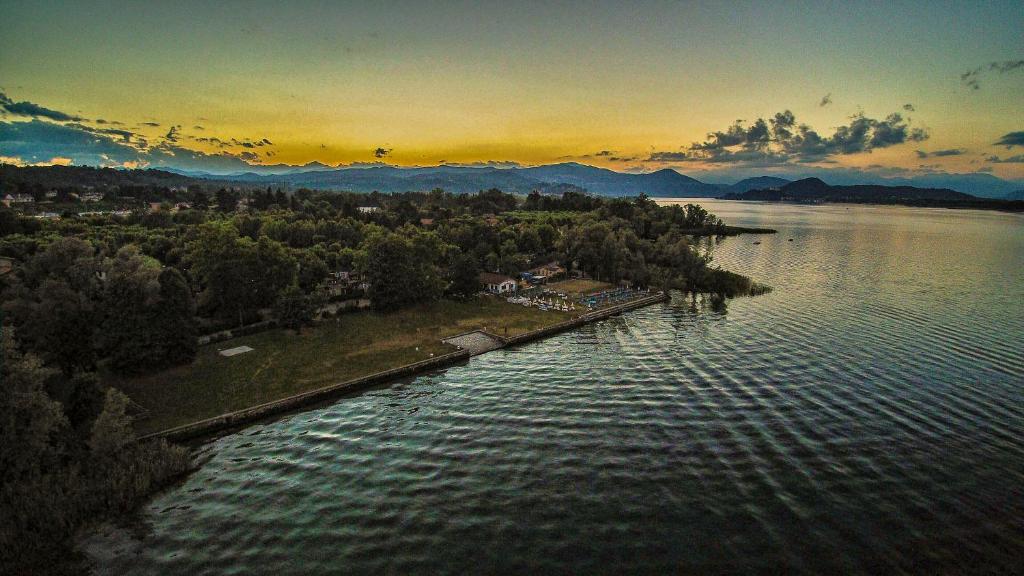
x=240 y=418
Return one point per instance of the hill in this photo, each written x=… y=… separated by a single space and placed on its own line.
x=23 y=177
x=1017 y=195
x=756 y=183
x=813 y=190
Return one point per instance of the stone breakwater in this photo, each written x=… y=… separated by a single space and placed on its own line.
x=252 y=414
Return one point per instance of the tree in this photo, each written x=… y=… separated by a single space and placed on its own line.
x=465 y=275
x=294 y=308
x=113 y=427
x=174 y=319
x=239 y=275
x=400 y=272
x=55 y=304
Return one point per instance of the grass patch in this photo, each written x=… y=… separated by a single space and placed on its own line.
x=579 y=287
x=284 y=363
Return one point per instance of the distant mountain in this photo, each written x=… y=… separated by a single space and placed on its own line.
x=815 y=190
x=756 y=183
x=553 y=179
x=1016 y=195
x=976 y=183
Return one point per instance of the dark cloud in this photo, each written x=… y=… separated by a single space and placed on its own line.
x=940 y=153
x=1011 y=139
x=972 y=78
x=198 y=127
x=825 y=100
x=623 y=159
x=154 y=124
x=1018 y=159
x=40 y=141
x=908 y=107
x=781 y=140
x=604 y=153
x=34 y=110
x=666 y=157
x=381 y=152
x=173 y=134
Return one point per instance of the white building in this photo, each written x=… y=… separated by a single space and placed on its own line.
x=497 y=283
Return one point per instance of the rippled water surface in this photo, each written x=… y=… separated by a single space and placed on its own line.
x=866 y=416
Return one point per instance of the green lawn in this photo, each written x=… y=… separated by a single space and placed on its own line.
x=283 y=363
x=579 y=287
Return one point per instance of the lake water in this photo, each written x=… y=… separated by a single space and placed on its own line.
x=866 y=417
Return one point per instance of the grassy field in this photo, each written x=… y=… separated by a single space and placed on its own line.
x=579 y=287
x=283 y=363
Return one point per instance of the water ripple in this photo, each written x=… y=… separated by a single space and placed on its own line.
x=865 y=417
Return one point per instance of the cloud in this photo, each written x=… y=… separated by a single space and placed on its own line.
x=1011 y=139
x=173 y=134
x=38 y=141
x=381 y=152
x=1018 y=159
x=34 y=110
x=940 y=153
x=972 y=78
x=825 y=100
x=153 y=124
x=908 y=107
x=666 y=157
x=781 y=140
x=604 y=153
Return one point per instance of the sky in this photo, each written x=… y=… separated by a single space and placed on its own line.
x=886 y=87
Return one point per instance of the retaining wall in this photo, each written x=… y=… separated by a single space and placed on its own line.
x=249 y=415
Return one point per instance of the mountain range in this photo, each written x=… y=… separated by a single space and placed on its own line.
x=549 y=179
x=557 y=178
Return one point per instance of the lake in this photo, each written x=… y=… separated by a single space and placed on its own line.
x=866 y=416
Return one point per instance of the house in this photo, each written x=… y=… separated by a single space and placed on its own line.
x=497 y=283
x=426 y=222
x=547 y=272
x=18 y=199
x=90 y=197
x=6 y=265
x=368 y=209
x=154 y=206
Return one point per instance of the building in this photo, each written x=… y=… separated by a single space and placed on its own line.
x=18 y=199
x=497 y=283
x=547 y=272
x=368 y=209
x=90 y=197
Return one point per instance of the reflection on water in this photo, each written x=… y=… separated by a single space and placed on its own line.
x=866 y=416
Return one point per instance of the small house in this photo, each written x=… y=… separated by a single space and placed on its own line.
x=547 y=272
x=497 y=283
x=368 y=209
x=18 y=199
